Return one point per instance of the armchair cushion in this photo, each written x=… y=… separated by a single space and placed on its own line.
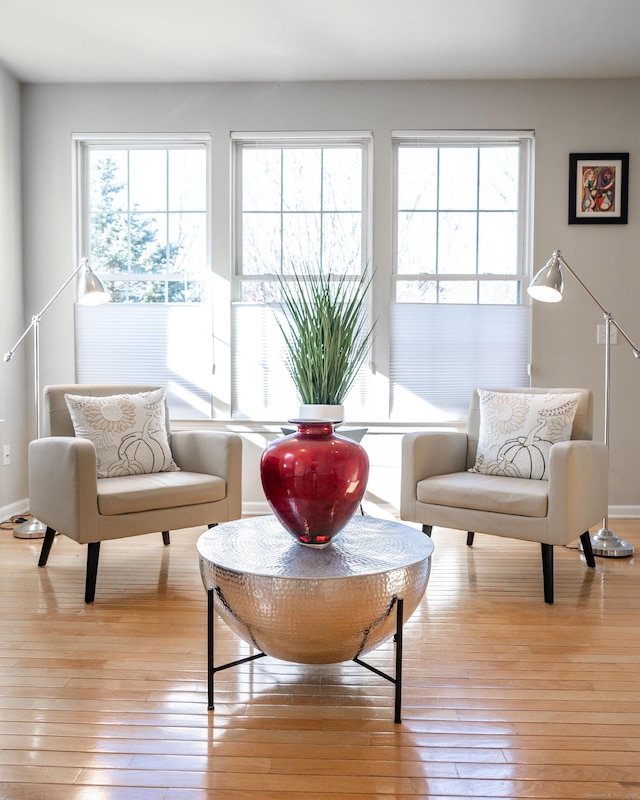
x=486 y=493
x=128 y=431
x=517 y=431
x=137 y=493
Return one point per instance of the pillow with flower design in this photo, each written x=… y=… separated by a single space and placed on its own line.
x=517 y=431
x=128 y=430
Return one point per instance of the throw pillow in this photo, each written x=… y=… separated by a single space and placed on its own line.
x=517 y=431
x=128 y=430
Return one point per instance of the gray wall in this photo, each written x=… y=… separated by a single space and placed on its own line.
x=13 y=386
x=567 y=116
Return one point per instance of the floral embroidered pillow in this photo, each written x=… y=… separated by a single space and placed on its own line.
x=128 y=430
x=517 y=431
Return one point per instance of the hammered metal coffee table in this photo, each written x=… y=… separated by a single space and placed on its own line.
x=312 y=606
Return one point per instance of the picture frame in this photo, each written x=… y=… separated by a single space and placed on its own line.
x=598 y=188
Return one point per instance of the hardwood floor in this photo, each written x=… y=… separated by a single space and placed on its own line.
x=504 y=696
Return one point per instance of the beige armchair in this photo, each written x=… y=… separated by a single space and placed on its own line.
x=438 y=488
x=66 y=494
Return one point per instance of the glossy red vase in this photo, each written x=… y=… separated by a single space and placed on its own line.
x=314 y=480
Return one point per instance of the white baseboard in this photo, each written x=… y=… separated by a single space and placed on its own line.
x=13 y=509
x=255 y=509
x=624 y=512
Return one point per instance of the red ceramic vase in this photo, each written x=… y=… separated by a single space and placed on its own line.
x=314 y=480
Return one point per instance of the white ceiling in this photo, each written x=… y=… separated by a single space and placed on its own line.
x=88 y=41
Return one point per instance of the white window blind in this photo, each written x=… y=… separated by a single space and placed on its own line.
x=440 y=353
x=173 y=348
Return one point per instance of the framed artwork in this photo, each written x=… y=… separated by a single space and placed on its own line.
x=598 y=188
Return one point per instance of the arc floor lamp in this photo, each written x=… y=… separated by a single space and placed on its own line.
x=90 y=292
x=547 y=286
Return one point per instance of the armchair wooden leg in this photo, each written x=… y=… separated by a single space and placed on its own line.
x=93 y=553
x=470 y=535
x=166 y=538
x=547 y=572
x=49 y=539
x=427 y=529
x=585 y=540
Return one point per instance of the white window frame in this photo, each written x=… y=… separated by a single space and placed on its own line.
x=189 y=386
x=428 y=331
x=525 y=141
x=267 y=374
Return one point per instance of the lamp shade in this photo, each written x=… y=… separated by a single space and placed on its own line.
x=91 y=292
x=547 y=284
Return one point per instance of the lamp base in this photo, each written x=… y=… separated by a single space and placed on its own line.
x=606 y=543
x=30 y=529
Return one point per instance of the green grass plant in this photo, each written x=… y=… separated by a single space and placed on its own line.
x=327 y=332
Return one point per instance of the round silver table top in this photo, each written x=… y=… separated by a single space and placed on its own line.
x=261 y=546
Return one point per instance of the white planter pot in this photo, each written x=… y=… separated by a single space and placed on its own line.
x=311 y=411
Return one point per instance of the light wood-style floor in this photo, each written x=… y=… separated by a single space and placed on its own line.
x=504 y=696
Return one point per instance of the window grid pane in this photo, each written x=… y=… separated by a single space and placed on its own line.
x=457 y=217
x=147 y=217
x=300 y=205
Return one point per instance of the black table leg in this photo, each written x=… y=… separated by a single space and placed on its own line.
x=210 y=670
x=398 y=681
x=397 y=678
